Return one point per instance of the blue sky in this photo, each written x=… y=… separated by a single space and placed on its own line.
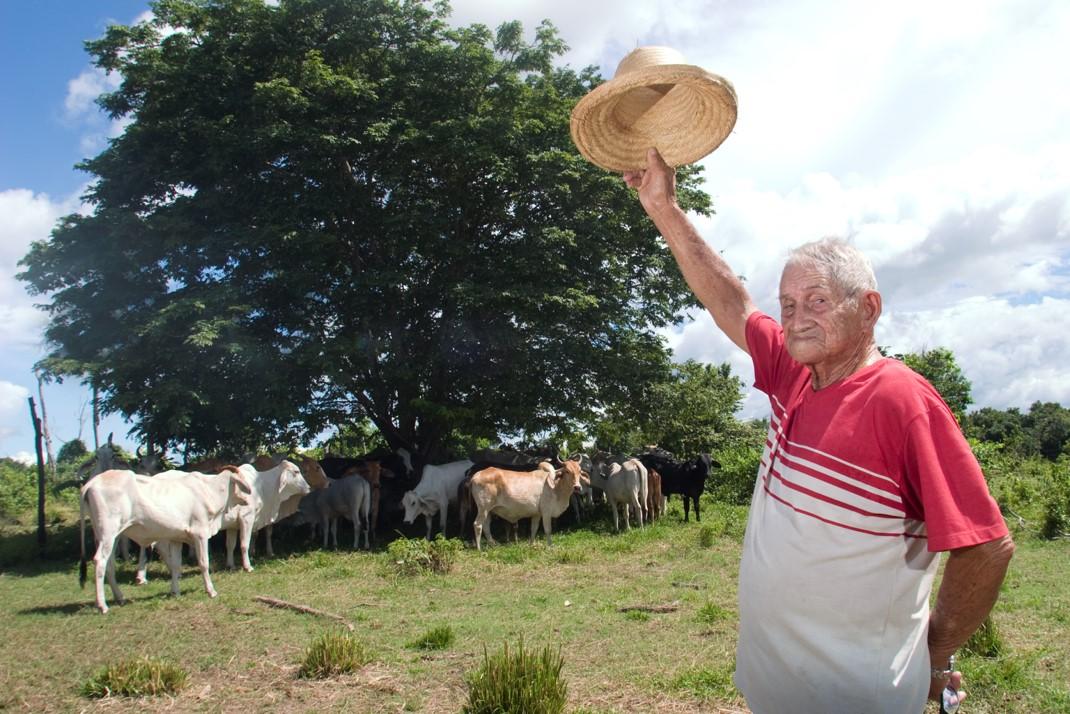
x=936 y=136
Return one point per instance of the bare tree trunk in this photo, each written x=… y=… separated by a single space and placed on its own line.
x=44 y=427
x=40 y=476
x=96 y=421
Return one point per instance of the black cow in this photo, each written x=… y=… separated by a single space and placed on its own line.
x=687 y=478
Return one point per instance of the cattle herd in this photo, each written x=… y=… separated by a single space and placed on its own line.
x=164 y=509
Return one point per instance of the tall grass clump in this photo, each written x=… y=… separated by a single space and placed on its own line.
x=437 y=638
x=985 y=641
x=517 y=682
x=416 y=556
x=332 y=653
x=141 y=677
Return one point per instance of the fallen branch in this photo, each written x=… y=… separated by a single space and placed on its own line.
x=273 y=602
x=694 y=586
x=671 y=607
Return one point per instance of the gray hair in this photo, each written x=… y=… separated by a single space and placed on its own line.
x=844 y=264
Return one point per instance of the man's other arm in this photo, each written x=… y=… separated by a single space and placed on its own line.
x=968 y=591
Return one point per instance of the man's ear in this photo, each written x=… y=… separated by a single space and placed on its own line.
x=871 y=307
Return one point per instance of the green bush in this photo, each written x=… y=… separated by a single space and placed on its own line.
x=332 y=653
x=18 y=490
x=416 y=556
x=437 y=638
x=517 y=682
x=140 y=677
x=734 y=481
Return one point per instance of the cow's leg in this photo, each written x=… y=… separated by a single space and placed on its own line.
x=104 y=564
x=200 y=545
x=355 y=517
x=172 y=555
x=615 y=508
x=124 y=547
x=267 y=539
x=547 y=523
x=232 y=536
x=443 y=508
x=246 y=534
x=477 y=526
x=534 y=528
x=142 y=566
x=687 y=507
x=427 y=520
x=697 y=519
x=638 y=508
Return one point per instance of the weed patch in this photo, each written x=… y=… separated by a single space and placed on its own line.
x=416 y=556
x=142 y=677
x=437 y=638
x=332 y=653
x=518 y=681
x=707 y=683
x=711 y=613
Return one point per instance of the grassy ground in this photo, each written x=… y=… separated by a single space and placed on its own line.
x=243 y=656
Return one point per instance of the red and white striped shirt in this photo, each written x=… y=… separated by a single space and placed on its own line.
x=860 y=484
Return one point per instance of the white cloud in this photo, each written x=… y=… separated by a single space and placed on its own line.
x=13 y=408
x=27 y=217
x=25 y=458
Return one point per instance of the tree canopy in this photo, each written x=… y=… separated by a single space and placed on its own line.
x=328 y=211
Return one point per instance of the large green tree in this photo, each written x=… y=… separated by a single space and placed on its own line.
x=939 y=367
x=331 y=210
x=690 y=411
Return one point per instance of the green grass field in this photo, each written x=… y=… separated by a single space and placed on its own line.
x=241 y=655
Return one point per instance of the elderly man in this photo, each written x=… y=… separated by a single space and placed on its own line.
x=865 y=478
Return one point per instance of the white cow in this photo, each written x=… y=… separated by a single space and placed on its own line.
x=435 y=492
x=625 y=485
x=272 y=488
x=350 y=497
x=542 y=494
x=179 y=508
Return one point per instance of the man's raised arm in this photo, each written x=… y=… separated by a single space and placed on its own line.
x=713 y=282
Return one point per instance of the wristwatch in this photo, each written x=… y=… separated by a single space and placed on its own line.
x=944 y=673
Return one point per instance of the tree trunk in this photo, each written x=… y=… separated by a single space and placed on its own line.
x=44 y=428
x=40 y=476
x=96 y=421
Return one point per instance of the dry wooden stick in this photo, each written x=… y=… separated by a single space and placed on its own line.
x=273 y=602
x=694 y=586
x=671 y=607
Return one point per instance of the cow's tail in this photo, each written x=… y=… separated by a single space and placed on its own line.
x=81 y=540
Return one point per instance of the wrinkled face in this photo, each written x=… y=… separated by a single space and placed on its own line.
x=821 y=326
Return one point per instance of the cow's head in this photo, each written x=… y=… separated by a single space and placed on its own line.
x=313 y=473
x=411 y=504
x=291 y=481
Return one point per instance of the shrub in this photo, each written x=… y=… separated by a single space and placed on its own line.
x=140 y=677
x=734 y=482
x=517 y=681
x=416 y=556
x=437 y=638
x=332 y=653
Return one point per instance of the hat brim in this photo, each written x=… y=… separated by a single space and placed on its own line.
x=681 y=110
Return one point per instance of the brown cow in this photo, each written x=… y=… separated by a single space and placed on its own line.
x=541 y=494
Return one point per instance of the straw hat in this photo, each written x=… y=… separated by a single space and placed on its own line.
x=655 y=99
